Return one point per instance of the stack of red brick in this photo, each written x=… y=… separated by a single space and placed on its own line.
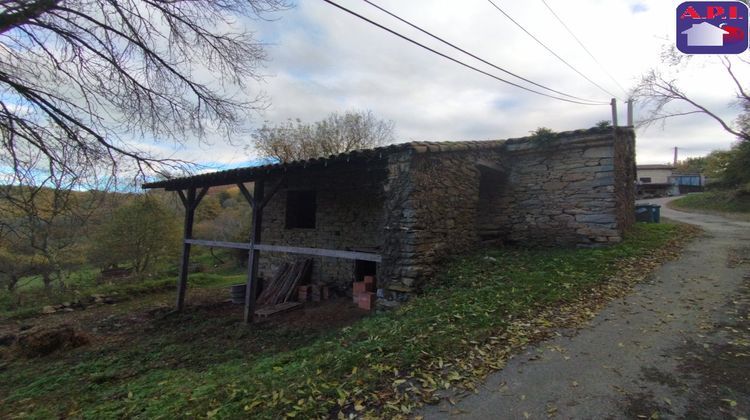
x=313 y=292
x=363 y=293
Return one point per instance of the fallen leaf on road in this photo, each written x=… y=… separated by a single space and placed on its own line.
x=731 y=403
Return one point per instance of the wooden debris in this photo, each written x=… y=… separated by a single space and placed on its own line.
x=285 y=284
x=267 y=311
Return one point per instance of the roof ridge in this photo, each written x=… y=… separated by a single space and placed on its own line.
x=416 y=146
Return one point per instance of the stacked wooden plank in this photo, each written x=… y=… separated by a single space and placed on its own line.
x=284 y=284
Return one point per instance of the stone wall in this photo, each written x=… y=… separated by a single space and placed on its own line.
x=420 y=204
x=562 y=192
x=571 y=189
x=349 y=216
x=431 y=209
x=625 y=177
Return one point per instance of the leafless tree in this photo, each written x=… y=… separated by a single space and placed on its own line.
x=338 y=133
x=101 y=76
x=658 y=92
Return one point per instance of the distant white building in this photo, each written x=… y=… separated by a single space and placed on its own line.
x=662 y=180
x=654 y=174
x=705 y=34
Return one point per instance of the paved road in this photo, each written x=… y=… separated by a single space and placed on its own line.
x=677 y=347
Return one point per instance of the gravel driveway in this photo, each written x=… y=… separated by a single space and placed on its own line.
x=677 y=347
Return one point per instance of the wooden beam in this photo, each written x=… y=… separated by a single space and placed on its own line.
x=185 y=259
x=348 y=255
x=200 y=196
x=252 y=256
x=182 y=198
x=219 y=244
x=247 y=195
x=333 y=253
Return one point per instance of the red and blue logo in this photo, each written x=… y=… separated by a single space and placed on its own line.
x=706 y=27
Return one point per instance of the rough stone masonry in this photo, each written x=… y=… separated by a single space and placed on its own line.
x=417 y=203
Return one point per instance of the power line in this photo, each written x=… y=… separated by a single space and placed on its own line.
x=473 y=55
x=451 y=58
x=550 y=50
x=584 y=47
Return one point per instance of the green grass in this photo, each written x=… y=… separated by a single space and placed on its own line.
x=196 y=365
x=27 y=303
x=723 y=201
x=30 y=296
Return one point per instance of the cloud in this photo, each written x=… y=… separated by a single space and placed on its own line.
x=323 y=61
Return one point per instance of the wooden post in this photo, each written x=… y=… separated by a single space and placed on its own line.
x=253 y=254
x=614 y=112
x=188 y=202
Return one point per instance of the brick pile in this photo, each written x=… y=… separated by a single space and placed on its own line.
x=363 y=293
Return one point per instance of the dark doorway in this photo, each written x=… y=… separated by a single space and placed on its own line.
x=490 y=220
x=364 y=268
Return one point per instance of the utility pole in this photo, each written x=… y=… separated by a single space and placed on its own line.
x=614 y=112
x=630 y=112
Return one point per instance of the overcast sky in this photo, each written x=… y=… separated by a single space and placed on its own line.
x=323 y=60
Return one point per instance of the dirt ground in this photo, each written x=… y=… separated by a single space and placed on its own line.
x=677 y=347
x=105 y=325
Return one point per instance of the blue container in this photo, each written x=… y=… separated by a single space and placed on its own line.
x=656 y=210
x=650 y=213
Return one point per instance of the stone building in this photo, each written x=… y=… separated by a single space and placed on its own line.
x=406 y=207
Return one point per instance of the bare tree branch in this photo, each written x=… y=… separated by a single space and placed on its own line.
x=656 y=92
x=101 y=75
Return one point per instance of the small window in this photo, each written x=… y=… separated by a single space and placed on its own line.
x=646 y=180
x=300 y=209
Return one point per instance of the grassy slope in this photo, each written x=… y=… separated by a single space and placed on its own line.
x=715 y=201
x=31 y=297
x=484 y=307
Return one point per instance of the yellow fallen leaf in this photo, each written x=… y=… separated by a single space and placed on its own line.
x=252 y=405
